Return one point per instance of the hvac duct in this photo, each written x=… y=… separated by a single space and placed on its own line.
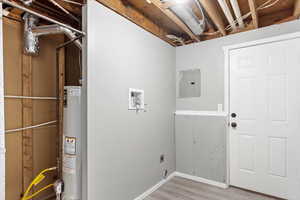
x=27 y=2
x=187 y=15
x=31 y=42
x=55 y=29
x=32 y=32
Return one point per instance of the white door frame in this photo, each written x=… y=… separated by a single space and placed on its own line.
x=227 y=50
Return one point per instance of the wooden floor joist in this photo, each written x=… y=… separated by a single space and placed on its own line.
x=60 y=105
x=253 y=10
x=211 y=9
x=136 y=17
x=297 y=9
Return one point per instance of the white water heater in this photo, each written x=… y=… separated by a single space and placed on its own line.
x=72 y=144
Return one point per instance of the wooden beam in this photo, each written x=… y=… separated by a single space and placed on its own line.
x=137 y=17
x=211 y=8
x=175 y=19
x=297 y=8
x=60 y=105
x=253 y=10
x=27 y=112
x=237 y=12
x=227 y=13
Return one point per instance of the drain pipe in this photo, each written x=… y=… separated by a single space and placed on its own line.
x=32 y=32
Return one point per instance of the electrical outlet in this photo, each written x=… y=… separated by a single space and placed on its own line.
x=162 y=158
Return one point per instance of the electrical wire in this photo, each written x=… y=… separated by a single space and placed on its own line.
x=73 y=2
x=261 y=7
x=39 y=191
x=27 y=97
x=265 y=5
x=30 y=127
x=39 y=178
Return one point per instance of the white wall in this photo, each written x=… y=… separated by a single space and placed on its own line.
x=124 y=147
x=209 y=57
x=2 y=140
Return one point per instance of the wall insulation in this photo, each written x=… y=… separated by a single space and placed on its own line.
x=28 y=152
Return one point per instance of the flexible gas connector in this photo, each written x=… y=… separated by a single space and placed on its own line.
x=39 y=178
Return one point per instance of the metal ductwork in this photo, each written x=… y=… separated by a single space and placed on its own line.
x=32 y=32
x=27 y=2
x=31 y=42
x=187 y=15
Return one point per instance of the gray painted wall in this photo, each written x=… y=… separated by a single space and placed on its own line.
x=200 y=147
x=209 y=57
x=124 y=147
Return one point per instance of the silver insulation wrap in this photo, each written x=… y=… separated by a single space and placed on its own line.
x=31 y=42
x=32 y=32
x=27 y=2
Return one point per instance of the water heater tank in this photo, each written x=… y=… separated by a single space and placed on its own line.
x=72 y=144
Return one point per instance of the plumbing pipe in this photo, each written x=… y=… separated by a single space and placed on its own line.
x=227 y=13
x=237 y=12
x=64 y=10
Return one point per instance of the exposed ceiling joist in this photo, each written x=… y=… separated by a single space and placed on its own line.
x=137 y=18
x=175 y=19
x=227 y=13
x=297 y=8
x=211 y=8
x=237 y=12
x=253 y=10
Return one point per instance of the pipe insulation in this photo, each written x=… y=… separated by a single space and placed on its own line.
x=32 y=32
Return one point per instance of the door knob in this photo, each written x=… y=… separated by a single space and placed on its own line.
x=233 y=125
x=233 y=115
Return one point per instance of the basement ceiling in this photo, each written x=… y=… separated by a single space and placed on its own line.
x=159 y=16
x=153 y=16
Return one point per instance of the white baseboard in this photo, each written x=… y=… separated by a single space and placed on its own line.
x=201 y=180
x=182 y=175
x=155 y=187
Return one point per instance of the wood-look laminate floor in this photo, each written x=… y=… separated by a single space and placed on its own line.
x=183 y=189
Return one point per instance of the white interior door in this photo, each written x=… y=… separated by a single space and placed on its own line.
x=265 y=96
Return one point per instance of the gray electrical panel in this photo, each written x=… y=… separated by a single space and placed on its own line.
x=189 y=83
